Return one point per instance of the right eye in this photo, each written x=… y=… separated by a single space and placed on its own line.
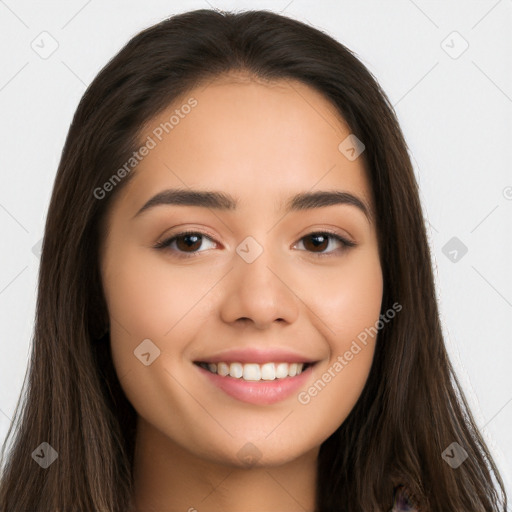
x=184 y=241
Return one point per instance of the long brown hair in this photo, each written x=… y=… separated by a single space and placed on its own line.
x=412 y=407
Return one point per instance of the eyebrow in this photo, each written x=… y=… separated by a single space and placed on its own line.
x=226 y=202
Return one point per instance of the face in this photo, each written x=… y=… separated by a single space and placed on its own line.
x=260 y=287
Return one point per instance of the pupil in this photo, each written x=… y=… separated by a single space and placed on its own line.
x=316 y=244
x=194 y=245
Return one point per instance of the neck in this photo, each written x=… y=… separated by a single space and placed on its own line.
x=168 y=477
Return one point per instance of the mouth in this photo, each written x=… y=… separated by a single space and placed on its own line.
x=254 y=372
x=254 y=383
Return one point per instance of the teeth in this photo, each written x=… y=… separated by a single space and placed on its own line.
x=268 y=371
x=223 y=369
x=236 y=370
x=252 y=372
x=282 y=371
x=255 y=372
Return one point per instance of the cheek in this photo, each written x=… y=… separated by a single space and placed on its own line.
x=346 y=297
x=148 y=298
x=348 y=306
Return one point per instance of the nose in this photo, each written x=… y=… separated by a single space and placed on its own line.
x=259 y=293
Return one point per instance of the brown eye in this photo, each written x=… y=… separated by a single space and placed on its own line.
x=187 y=243
x=318 y=242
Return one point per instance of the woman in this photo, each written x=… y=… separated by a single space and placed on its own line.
x=297 y=363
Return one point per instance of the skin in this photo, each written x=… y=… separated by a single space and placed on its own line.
x=262 y=143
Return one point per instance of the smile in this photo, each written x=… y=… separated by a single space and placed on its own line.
x=254 y=371
x=259 y=384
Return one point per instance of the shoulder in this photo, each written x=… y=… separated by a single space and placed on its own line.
x=402 y=502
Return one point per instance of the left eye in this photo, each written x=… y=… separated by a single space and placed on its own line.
x=321 y=239
x=188 y=242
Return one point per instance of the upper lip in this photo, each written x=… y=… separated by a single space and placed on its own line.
x=256 y=355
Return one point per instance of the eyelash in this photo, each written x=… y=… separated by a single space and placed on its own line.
x=164 y=244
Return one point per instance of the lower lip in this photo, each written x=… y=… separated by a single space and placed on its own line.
x=261 y=392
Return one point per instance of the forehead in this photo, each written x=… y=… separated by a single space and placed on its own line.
x=252 y=139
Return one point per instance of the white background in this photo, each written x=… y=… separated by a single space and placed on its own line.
x=456 y=114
